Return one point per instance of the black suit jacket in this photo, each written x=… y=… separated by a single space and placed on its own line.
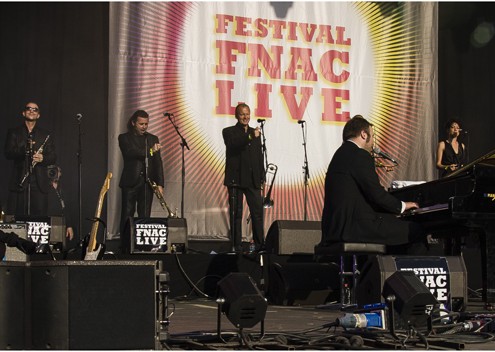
x=244 y=158
x=357 y=208
x=15 y=149
x=134 y=152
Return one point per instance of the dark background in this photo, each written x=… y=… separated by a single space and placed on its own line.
x=56 y=54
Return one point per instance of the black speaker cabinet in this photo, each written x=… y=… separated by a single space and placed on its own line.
x=303 y=283
x=445 y=277
x=83 y=305
x=157 y=235
x=293 y=236
x=14 y=315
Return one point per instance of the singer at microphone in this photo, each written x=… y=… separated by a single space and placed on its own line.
x=244 y=176
x=451 y=153
x=142 y=162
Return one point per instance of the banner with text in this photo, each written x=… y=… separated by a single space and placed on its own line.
x=317 y=62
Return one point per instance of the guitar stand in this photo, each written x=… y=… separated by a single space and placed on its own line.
x=84 y=242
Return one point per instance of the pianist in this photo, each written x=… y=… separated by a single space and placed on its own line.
x=356 y=207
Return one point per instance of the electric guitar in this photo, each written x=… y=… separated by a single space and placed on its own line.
x=94 y=250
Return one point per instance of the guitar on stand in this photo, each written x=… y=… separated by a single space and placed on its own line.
x=93 y=250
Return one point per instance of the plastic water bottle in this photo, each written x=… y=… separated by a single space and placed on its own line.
x=252 y=247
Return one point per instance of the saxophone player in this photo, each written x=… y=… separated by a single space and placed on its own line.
x=142 y=161
x=31 y=148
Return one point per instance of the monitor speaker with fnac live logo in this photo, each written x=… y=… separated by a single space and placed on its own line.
x=293 y=236
x=445 y=277
x=157 y=235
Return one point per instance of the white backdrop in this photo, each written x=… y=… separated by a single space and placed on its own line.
x=321 y=62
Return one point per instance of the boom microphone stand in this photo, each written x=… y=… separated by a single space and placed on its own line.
x=183 y=144
x=305 y=168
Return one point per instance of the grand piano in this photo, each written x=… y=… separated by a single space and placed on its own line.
x=459 y=205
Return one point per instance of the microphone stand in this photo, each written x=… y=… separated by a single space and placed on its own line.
x=29 y=173
x=146 y=177
x=263 y=143
x=183 y=144
x=79 y=175
x=306 y=172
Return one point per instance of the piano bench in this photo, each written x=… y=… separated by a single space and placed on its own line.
x=346 y=251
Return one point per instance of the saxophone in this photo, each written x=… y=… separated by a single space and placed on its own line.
x=40 y=150
x=158 y=195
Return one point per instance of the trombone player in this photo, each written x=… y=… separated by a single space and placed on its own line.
x=244 y=175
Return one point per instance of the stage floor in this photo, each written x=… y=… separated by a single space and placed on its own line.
x=193 y=325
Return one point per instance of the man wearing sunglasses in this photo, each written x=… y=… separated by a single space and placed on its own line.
x=31 y=149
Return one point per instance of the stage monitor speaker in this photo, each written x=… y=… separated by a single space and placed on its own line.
x=411 y=298
x=14 y=315
x=244 y=304
x=13 y=253
x=293 y=237
x=303 y=283
x=157 y=235
x=87 y=305
x=445 y=277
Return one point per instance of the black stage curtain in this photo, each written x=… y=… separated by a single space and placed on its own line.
x=466 y=74
x=56 y=54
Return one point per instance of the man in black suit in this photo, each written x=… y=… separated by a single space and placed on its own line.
x=357 y=208
x=142 y=161
x=244 y=175
x=32 y=149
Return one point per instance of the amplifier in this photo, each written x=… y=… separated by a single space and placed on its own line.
x=12 y=253
x=44 y=229
x=157 y=235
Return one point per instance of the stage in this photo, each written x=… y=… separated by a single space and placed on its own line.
x=170 y=301
x=193 y=325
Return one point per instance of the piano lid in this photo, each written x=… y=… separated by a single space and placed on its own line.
x=487 y=159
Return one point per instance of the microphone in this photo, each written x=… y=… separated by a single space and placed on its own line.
x=79 y=117
x=301 y=122
x=167 y=114
x=260 y=120
x=384 y=155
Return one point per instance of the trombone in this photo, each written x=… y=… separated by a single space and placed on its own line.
x=271 y=169
x=160 y=198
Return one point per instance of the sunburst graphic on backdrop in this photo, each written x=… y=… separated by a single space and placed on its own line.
x=154 y=40
x=398 y=101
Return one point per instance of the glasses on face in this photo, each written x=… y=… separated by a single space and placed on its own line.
x=30 y=108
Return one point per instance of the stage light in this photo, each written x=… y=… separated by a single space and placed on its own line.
x=411 y=299
x=482 y=34
x=241 y=301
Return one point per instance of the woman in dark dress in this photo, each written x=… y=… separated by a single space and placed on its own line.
x=451 y=154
